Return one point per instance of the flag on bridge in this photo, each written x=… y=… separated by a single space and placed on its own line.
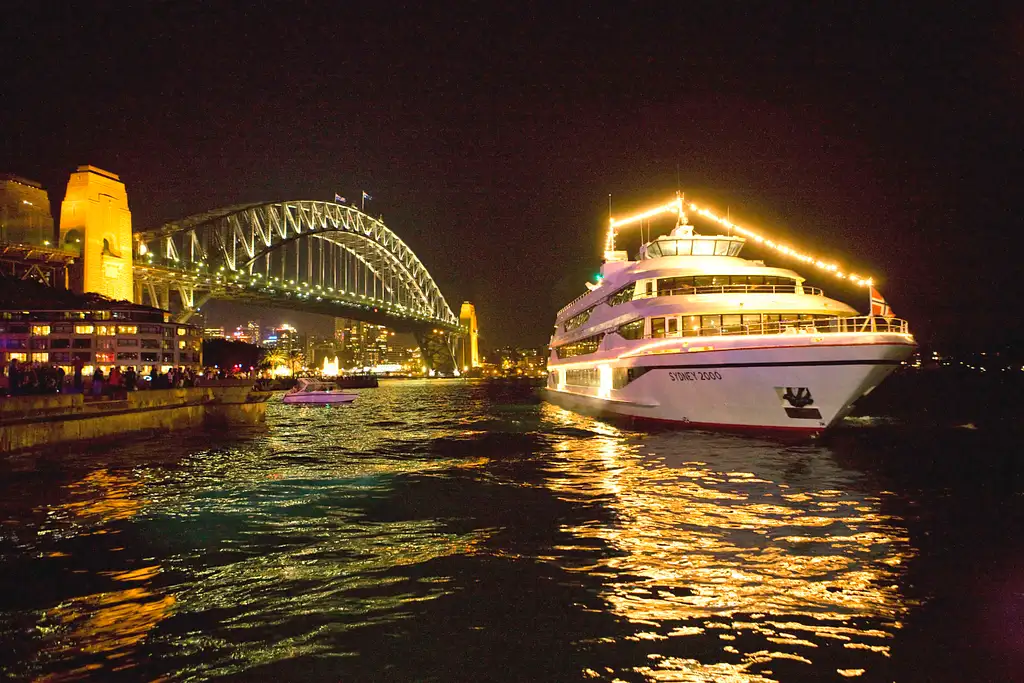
x=338 y=198
x=366 y=196
x=879 y=305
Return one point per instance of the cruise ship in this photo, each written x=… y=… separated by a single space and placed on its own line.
x=691 y=333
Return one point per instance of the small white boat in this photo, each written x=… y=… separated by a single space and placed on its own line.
x=312 y=391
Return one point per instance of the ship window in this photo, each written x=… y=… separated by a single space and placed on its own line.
x=657 y=327
x=721 y=248
x=710 y=323
x=734 y=249
x=580 y=347
x=653 y=250
x=703 y=247
x=668 y=248
x=752 y=322
x=577 y=320
x=583 y=377
x=732 y=324
x=672 y=327
x=691 y=326
x=632 y=330
x=668 y=286
x=703 y=281
x=623 y=295
x=649 y=287
x=719 y=280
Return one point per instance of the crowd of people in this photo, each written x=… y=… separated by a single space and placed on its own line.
x=20 y=378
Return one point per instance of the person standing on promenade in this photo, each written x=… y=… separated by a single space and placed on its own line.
x=78 y=384
x=97 y=382
x=14 y=377
x=114 y=382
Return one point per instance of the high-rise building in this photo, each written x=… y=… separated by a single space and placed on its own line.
x=253 y=330
x=25 y=216
x=288 y=339
x=364 y=345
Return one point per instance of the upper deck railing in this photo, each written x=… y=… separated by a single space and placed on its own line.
x=837 y=325
x=569 y=305
x=712 y=289
x=737 y=289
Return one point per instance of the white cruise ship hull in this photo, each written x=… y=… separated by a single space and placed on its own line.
x=805 y=384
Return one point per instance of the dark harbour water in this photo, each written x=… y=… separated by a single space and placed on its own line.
x=459 y=531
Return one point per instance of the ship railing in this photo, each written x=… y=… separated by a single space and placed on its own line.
x=569 y=305
x=838 y=325
x=740 y=289
x=714 y=289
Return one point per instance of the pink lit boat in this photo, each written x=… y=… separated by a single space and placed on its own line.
x=321 y=393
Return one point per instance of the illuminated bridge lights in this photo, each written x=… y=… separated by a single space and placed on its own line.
x=676 y=206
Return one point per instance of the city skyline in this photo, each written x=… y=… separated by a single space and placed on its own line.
x=490 y=144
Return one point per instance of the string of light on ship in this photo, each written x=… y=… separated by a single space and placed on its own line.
x=676 y=206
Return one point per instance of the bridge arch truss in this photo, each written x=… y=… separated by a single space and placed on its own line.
x=307 y=255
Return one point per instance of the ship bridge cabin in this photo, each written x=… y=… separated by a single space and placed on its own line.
x=683 y=242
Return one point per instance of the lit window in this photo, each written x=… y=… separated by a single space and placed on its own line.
x=18 y=357
x=181 y=344
x=106 y=330
x=127 y=329
x=41 y=357
x=41 y=330
x=84 y=329
x=182 y=331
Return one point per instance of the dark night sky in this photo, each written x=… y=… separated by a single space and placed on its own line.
x=885 y=135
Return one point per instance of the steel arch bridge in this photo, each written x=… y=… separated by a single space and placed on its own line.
x=319 y=257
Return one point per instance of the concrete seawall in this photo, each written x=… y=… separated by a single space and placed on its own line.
x=35 y=421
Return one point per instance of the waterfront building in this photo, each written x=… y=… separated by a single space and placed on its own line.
x=42 y=325
x=211 y=333
x=25 y=216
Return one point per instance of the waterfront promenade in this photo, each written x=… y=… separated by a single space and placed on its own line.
x=47 y=419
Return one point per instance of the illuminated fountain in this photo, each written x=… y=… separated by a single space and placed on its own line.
x=330 y=368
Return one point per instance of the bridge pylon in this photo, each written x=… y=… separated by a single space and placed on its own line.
x=469 y=349
x=96 y=223
x=437 y=349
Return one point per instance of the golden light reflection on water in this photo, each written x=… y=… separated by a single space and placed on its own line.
x=772 y=549
x=110 y=624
